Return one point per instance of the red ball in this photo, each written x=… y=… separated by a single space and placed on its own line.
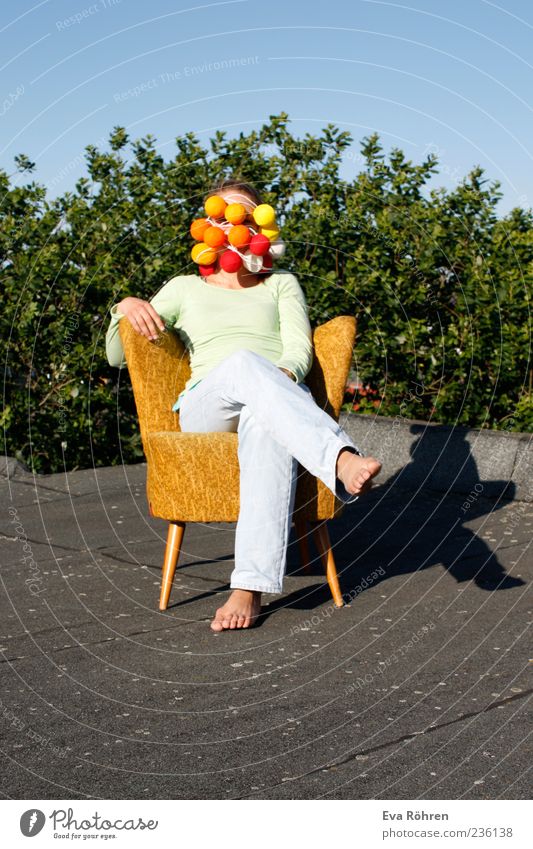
x=206 y=270
x=267 y=264
x=230 y=261
x=259 y=244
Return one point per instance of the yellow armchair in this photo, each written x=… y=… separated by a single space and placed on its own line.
x=194 y=477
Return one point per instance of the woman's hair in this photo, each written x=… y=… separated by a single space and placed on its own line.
x=234 y=182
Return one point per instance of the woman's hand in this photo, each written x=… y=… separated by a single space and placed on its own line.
x=142 y=317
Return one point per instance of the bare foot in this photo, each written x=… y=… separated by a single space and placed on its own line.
x=240 y=611
x=356 y=472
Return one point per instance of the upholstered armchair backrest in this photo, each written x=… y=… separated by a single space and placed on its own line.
x=159 y=371
x=333 y=344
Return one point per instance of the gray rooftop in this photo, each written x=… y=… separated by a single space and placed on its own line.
x=418 y=688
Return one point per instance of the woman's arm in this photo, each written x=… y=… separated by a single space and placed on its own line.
x=295 y=328
x=147 y=317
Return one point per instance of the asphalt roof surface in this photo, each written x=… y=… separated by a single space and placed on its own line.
x=417 y=689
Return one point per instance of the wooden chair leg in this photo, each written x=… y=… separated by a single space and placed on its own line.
x=323 y=544
x=300 y=526
x=172 y=552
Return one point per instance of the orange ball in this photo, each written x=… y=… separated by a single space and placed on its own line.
x=198 y=228
x=203 y=254
x=215 y=206
x=214 y=237
x=239 y=236
x=235 y=213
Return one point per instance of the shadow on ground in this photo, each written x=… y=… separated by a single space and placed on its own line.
x=401 y=529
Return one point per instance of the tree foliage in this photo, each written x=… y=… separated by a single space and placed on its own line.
x=440 y=285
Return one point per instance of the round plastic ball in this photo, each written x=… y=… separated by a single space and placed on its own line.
x=203 y=254
x=277 y=249
x=214 y=237
x=198 y=228
x=253 y=263
x=230 y=261
x=259 y=244
x=235 y=213
x=239 y=236
x=264 y=215
x=271 y=233
x=267 y=264
x=215 y=206
x=206 y=270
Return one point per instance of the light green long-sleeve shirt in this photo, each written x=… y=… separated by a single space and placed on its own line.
x=269 y=318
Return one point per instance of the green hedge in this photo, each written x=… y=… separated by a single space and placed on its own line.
x=440 y=285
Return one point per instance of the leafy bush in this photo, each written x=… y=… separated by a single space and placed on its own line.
x=441 y=286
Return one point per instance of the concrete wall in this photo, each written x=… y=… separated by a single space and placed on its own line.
x=417 y=455
x=442 y=457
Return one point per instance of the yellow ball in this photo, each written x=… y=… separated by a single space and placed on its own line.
x=271 y=233
x=215 y=206
x=203 y=254
x=264 y=215
x=235 y=213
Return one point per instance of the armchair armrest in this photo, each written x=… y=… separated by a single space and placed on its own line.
x=158 y=372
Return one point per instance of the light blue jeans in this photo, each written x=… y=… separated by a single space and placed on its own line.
x=279 y=425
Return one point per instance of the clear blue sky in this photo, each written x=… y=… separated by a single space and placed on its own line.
x=454 y=77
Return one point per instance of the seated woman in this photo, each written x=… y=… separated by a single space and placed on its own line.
x=250 y=344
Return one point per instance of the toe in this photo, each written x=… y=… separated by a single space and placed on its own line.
x=221 y=620
x=216 y=624
x=233 y=621
x=361 y=480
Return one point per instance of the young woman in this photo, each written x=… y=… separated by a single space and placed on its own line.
x=250 y=345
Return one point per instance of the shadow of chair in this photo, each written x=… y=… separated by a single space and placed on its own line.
x=194 y=477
